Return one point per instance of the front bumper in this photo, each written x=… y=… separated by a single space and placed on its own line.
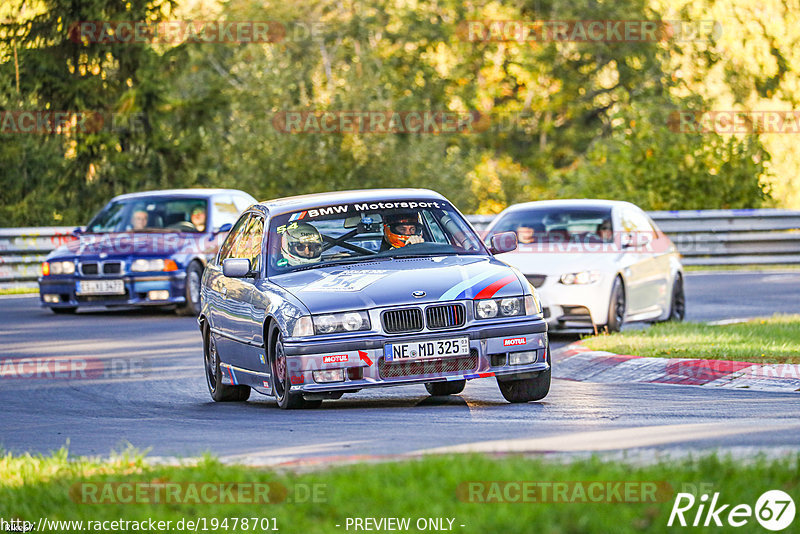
x=365 y=365
x=63 y=289
x=574 y=307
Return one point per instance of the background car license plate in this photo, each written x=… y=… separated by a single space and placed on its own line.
x=101 y=287
x=434 y=348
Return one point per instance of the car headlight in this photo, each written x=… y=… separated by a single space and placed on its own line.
x=58 y=267
x=144 y=265
x=331 y=323
x=504 y=307
x=583 y=277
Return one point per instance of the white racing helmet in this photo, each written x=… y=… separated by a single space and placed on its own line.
x=301 y=245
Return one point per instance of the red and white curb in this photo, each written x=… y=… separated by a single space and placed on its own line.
x=576 y=362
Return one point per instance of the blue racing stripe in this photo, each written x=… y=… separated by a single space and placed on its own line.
x=460 y=287
x=233 y=376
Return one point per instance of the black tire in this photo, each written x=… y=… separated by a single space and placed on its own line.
x=219 y=392
x=616 y=307
x=194 y=276
x=526 y=389
x=439 y=389
x=281 y=386
x=677 y=308
x=67 y=310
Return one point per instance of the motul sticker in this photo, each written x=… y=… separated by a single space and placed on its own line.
x=514 y=341
x=336 y=358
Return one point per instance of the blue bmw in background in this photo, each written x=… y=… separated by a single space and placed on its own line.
x=142 y=249
x=315 y=296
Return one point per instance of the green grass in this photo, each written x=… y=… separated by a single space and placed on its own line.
x=747 y=267
x=34 y=486
x=18 y=290
x=768 y=340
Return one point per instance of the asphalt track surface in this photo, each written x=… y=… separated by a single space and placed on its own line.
x=156 y=397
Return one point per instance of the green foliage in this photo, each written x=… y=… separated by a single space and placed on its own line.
x=586 y=119
x=644 y=161
x=33 y=487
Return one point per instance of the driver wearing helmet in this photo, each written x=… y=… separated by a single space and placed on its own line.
x=301 y=245
x=401 y=229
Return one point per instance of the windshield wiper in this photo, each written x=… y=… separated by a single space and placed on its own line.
x=428 y=255
x=367 y=259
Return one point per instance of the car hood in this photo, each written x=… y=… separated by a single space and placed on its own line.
x=129 y=243
x=392 y=282
x=558 y=263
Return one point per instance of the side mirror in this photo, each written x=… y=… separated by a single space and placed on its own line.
x=503 y=242
x=77 y=231
x=224 y=228
x=636 y=240
x=236 y=268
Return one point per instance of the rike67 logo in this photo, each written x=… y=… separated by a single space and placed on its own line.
x=774 y=510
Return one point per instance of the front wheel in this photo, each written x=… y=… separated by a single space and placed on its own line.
x=281 y=385
x=616 y=307
x=677 y=309
x=194 y=276
x=219 y=392
x=439 y=389
x=526 y=389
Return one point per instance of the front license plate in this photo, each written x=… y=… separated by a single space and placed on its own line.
x=101 y=287
x=434 y=348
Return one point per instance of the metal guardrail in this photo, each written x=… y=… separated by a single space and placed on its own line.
x=22 y=251
x=723 y=237
x=703 y=237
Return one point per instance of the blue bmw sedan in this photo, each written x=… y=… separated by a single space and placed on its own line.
x=315 y=296
x=142 y=249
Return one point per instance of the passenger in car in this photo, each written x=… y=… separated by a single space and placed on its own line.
x=604 y=231
x=301 y=245
x=401 y=229
x=139 y=220
x=198 y=218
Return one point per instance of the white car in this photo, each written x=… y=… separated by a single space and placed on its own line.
x=595 y=264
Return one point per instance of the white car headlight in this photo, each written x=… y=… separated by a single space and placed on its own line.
x=503 y=307
x=331 y=323
x=143 y=265
x=62 y=267
x=485 y=309
x=583 y=277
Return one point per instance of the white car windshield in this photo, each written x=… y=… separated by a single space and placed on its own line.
x=367 y=231
x=557 y=225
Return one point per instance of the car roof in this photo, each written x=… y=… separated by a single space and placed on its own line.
x=571 y=203
x=199 y=192
x=302 y=202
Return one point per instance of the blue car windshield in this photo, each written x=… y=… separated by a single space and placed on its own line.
x=368 y=231
x=151 y=214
